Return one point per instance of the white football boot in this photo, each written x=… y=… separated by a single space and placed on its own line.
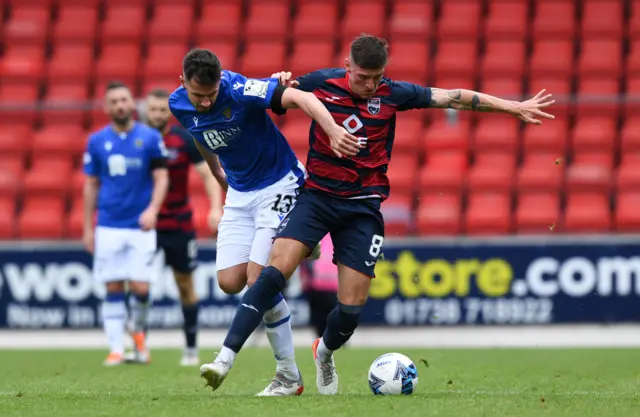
x=190 y=357
x=215 y=372
x=281 y=386
x=326 y=375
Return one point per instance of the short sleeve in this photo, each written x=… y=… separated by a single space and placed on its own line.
x=90 y=159
x=254 y=92
x=158 y=150
x=192 y=151
x=410 y=96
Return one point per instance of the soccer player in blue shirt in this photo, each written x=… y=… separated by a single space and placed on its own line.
x=126 y=182
x=226 y=114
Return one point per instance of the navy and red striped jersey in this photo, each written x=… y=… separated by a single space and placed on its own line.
x=176 y=212
x=364 y=175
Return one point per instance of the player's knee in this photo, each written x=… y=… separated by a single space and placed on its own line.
x=354 y=286
x=287 y=254
x=233 y=280
x=139 y=288
x=253 y=272
x=115 y=287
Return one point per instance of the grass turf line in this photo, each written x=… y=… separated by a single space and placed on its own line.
x=480 y=382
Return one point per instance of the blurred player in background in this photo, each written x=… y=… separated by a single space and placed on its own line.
x=342 y=196
x=226 y=113
x=175 y=229
x=127 y=181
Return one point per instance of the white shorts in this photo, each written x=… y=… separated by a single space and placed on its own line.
x=245 y=213
x=124 y=254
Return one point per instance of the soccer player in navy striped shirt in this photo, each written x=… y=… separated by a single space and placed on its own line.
x=343 y=193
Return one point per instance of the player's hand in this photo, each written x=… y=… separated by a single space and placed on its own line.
x=528 y=110
x=343 y=143
x=284 y=78
x=148 y=219
x=213 y=219
x=88 y=239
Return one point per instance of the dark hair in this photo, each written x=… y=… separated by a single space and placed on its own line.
x=158 y=93
x=114 y=85
x=369 y=52
x=203 y=66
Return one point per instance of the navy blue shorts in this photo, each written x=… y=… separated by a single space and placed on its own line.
x=356 y=227
x=180 y=250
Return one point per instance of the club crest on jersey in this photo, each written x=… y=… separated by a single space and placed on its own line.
x=373 y=105
x=227 y=113
x=139 y=143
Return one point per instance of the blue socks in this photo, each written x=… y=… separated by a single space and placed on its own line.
x=260 y=297
x=341 y=323
x=190 y=326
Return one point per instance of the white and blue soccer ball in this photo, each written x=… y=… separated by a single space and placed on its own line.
x=393 y=374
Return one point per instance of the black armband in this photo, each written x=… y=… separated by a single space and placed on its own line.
x=157 y=163
x=276 y=101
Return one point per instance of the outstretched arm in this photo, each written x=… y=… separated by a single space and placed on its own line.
x=461 y=99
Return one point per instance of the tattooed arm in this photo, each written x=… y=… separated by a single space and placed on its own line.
x=460 y=99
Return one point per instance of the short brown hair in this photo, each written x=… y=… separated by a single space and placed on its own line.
x=158 y=93
x=369 y=52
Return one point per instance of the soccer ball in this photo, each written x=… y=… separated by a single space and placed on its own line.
x=393 y=374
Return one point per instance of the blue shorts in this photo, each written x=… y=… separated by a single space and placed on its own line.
x=180 y=250
x=356 y=227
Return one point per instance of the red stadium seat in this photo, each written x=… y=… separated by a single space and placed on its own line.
x=65 y=104
x=267 y=20
x=548 y=137
x=444 y=173
x=627 y=215
x=630 y=136
x=459 y=20
x=590 y=173
x=540 y=173
x=14 y=4
x=494 y=172
x=297 y=134
x=591 y=91
x=408 y=60
x=49 y=177
x=633 y=59
x=396 y=212
x=560 y=87
x=71 y=63
x=307 y=25
x=439 y=214
x=76 y=24
x=168 y=83
x=10 y=184
x=456 y=58
x=634 y=20
x=310 y=55
x=504 y=87
x=124 y=23
x=488 y=214
x=503 y=59
x=171 y=23
x=28 y=26
x=77 y=183
x=359 y=16
x=627 y=176
x=402 y=172
x=226 y=52
x=261 y=58
x=74 y=222
x=601 y=58
x=602 y=19
x=62 y=140
x=498 y=134
x=409 y=129
x=411 y=20
x=200 y=207
x=554 y=20
x=41 y=218
x=586 y=213
x=15 y=140
x=119 y=61
x=632 y=107
x=164 y=61
x=537 y=213
x=442 y=135
x=22 y=64
x=20 y=99
x=507 y=19
x=227 y=29
x=88 y=3
x=594 y=134
x=7 y=222
x=544 y=59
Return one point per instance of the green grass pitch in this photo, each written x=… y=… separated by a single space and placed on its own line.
x=456 y=383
